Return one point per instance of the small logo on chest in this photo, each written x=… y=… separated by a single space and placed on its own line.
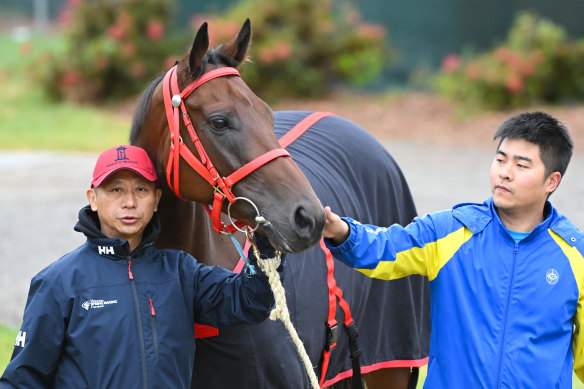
x=105 y=250
x=98 y=303
x=552 y=277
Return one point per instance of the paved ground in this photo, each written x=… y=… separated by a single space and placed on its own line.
x=40 y=194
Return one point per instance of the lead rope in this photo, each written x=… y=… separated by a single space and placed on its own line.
x=280 y=311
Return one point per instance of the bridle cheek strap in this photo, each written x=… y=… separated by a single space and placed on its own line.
x=174 y=105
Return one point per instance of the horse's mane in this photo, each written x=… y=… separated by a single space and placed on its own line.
x=214 y=56
x=142 y=109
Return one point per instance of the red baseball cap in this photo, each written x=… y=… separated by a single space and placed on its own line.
x=123 y=157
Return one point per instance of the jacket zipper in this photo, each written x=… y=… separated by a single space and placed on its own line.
x=515 y=251
x=139 y=320
x=153 y=323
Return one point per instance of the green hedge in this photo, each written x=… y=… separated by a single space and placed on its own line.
x=536 y=64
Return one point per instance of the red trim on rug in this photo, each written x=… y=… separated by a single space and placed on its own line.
x=377 y=366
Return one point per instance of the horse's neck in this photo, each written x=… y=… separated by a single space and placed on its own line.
x=187 y=226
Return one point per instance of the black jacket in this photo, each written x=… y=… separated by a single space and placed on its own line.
x=102 y=317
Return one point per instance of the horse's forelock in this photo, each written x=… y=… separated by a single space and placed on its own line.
x=215 y=56
x=142 y=109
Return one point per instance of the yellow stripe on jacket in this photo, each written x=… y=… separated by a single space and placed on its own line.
x=426 y=261
x=577 y=265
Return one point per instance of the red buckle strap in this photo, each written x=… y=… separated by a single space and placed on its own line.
x=334 y=293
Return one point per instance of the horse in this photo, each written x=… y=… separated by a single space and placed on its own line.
x=225 y=164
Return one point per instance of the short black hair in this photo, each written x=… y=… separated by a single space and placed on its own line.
x=551 y=135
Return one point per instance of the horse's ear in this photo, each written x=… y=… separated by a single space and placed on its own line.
x=238 y=46
x=199 y=49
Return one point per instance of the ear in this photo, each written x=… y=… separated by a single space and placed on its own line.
x=91 y=198
x=199 y=49
x=553 y=181
x=237 y=47
x=158 y=195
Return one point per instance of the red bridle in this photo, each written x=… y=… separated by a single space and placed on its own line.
x=173 y=101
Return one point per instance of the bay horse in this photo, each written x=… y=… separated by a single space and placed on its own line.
x=233 y=134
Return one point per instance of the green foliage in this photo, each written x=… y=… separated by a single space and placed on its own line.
x=535 y=64
x=7 y=337
x=113 y=48
x=303 y=48
x=30 y=121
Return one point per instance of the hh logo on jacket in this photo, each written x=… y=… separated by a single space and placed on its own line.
x=105 y=250
x=20 y=339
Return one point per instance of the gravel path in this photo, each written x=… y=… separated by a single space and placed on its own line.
x=41 y=193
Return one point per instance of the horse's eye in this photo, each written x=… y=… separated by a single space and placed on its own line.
x=218 y=123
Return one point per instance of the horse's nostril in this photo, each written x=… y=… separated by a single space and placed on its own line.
x=303 y=222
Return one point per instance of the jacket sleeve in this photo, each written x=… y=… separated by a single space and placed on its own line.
x=577 y=265
x=39 y=342
x=222 y=297
x=578 y=338
x=393 y=252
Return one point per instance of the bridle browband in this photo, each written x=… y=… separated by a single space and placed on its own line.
x=173 y=102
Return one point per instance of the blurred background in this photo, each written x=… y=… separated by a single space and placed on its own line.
x=428 y=79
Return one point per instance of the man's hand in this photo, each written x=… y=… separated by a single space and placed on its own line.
x=335 y=228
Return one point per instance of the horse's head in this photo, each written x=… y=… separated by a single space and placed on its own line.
x=231 y=127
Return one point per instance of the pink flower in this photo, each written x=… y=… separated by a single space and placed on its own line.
x=503 y=54
x=64 y=18
x=514 y=84
x=125 y=20
x=155 y=30
x=527 y=68
x=371 y=31
x=282 y=50
x=70 y=77
x=267 y=55
x=116 y=32
x=451 y=63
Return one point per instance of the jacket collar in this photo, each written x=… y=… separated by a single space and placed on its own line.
x=114 y=248
x=476 y=217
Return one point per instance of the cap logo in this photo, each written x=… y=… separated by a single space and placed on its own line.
x=121 y=153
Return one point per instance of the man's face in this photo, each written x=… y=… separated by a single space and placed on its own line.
x=518 y=181
x=125 y=203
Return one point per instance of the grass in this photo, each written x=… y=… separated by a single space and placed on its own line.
x=7 y=337
x=30 y=121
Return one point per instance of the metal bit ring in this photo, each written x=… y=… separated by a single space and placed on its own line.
x=258 y=219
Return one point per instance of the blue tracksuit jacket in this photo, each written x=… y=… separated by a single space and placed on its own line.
x=504 y=314
x=102 y=317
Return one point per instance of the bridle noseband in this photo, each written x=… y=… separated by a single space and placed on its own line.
x=173 y=102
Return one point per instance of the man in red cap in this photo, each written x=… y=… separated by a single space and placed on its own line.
x=118 y=312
